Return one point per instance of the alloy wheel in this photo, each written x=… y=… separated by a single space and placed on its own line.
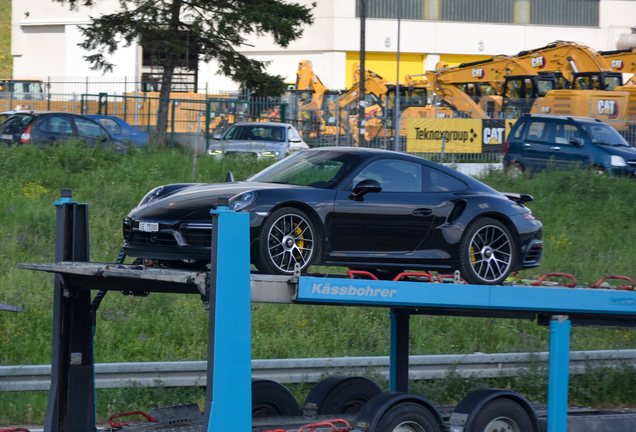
x=290 y=240
x=490 y=252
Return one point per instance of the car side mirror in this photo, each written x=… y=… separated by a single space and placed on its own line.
x=363 y=188
x=295 y=140
x=576 y=143
x=216 y=136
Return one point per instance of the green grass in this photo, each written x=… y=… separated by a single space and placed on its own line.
x=589 y=230
x=6 y=60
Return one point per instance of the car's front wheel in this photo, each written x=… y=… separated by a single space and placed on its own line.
x=487 y=252
x=287 y=237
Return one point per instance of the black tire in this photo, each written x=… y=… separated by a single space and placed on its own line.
x=502 y=414
x=514 y=170
x=407 y=417
x=488 y=252
x=270 y=398
x=596 y=169
x=341 y=395
x=288 y=236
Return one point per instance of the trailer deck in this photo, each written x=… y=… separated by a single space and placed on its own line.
x=227 y=290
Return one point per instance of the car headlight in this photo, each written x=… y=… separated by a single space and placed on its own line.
x=240 y=201
x=150 y=196
x=215 y=152
x=269 y=153
x=617 y=161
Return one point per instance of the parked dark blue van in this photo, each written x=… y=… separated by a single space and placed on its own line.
x=566 y=142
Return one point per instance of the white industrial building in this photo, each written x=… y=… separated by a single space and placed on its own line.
x=45 y=36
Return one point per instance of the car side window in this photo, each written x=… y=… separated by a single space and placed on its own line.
x=89 y=129
x=538 y=131
x=393 y=175
x=57 y=124
x=111 y=126
x=565 y=132
x=519 y=131
x=437 y=181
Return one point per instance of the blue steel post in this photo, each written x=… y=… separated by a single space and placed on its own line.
x=229 y=379
x=399 y=351
x=559 y=373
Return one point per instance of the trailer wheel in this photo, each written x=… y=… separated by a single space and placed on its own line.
x=341 y=394
x=270 y=398
x=502 y=415
x=408 y=417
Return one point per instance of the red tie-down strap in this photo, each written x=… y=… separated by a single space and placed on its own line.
x=327 y=423
x=622 y=287
x=129 y=413
x=565 y=284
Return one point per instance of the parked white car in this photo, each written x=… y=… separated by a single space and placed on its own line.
x=260 y=140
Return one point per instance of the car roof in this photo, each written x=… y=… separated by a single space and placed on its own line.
x=562 y=118
x=261 y=124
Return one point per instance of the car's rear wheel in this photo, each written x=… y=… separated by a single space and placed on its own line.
x=514 y=170
x=287 y=237
x=487 y=252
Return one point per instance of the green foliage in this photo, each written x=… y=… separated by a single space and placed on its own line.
x=6 y=59
x=215 y=30
x=588 y=231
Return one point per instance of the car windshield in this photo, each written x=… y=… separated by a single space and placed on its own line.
x=256 y=132
x=320 y=169
x=603 y=134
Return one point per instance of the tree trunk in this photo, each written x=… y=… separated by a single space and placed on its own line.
x=164 y=102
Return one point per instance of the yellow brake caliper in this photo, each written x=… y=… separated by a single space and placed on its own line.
x=298 y=232
x=472 y=256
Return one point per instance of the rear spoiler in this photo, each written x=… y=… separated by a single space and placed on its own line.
x=518 y=198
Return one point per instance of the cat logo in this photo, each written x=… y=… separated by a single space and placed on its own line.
x=607 y=107
x=617 y=64
x=538 y=62
x=545 y=110
x=478 y=73
x=493 y=135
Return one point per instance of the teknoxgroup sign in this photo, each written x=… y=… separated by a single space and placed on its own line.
x=425 y=135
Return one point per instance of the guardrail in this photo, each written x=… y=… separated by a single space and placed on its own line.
x=311 y=370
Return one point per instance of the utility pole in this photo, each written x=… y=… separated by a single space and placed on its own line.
x=363 y=72
x=396 y=123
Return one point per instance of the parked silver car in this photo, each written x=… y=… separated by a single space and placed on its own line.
x=260 y=140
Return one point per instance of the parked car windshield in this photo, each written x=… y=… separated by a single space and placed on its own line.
x=317 y=169
x=603 y=134
x=256 y=133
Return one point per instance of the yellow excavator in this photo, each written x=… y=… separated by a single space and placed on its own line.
x=519 y=88
x=585 y=72
x=624 y=61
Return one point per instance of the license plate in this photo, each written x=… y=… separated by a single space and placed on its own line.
x=148 y=226
x=6 y=136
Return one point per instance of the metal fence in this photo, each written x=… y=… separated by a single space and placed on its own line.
x=201 y=116
x=312 y=370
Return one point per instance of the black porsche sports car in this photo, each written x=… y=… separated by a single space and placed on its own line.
x=360 y=208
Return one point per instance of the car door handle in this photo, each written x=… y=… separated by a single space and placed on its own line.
x=422 y=212
x=555 y=148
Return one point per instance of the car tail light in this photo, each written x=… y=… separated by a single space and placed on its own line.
x=26 y=136
x=528 y=216
x=506 y=147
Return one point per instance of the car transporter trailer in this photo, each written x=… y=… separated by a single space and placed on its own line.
x=229 y=287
